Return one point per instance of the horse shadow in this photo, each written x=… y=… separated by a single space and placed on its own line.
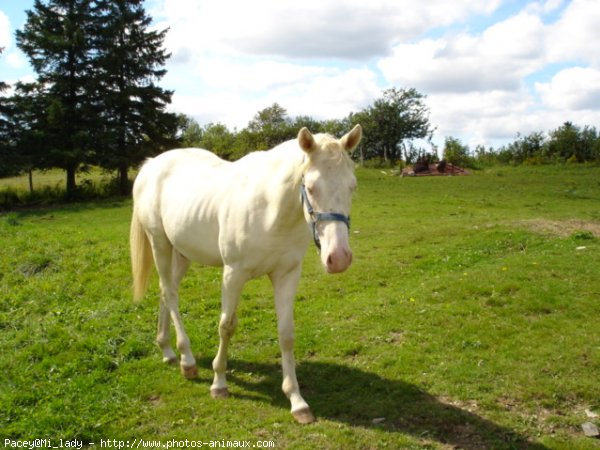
x=364 y=399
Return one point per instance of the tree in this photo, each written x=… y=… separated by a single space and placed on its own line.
x=336 y=127
x=191 y=131
x=218 y=139
x=368 y=147
x=27 y=146
x=57 y=40
x=297 y=123
x=456 y=153
x=528 y=148
x=399 y=115
x=590 y=144
x=130 y=58
x=413 y=154
x=270 y=127
x=4 y=129
x=3 y=85
x=570 y=141
x=485 y=156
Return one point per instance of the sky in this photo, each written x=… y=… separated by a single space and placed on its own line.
x=490 y=69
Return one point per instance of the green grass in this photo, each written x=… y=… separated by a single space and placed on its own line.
x=469 y=319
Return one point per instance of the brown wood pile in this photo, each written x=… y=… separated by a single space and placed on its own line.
x=421 y=169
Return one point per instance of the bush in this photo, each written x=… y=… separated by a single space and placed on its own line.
x=458 y=154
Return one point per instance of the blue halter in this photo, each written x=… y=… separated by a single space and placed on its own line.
x=317 y=217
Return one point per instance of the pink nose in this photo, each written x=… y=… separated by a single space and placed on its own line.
x=339 y=260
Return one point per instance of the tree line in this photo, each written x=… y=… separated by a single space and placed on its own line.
x=389 y=124
x=568 y=143
x=383 y=145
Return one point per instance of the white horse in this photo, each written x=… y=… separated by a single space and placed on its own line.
x=249 y=216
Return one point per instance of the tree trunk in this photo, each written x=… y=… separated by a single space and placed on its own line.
x=123 y=180
x=30 y=173
x=71 y=185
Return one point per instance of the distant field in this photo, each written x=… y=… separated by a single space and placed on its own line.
x=49 y=187
x=469 y=319
x=51 y=178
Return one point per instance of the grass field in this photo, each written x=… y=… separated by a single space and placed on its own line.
x=469 y=319
x=49 y=188
x=55 y=178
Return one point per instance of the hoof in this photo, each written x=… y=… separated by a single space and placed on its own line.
x=171 y=361
x=189 y=372
x=303 y=416
x=219 y=393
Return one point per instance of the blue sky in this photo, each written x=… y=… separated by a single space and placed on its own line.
x=490 y=68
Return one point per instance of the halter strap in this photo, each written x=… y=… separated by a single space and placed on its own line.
x=317 y=217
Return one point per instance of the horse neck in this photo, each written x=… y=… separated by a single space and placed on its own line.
x=287 y=202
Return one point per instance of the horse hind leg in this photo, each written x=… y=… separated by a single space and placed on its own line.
x=171 y=267
x=163 y=338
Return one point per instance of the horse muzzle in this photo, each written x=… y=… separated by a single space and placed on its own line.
x=338 y=260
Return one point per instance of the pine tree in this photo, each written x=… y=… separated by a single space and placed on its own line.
x=56 y=38
x=6 y=166
x=130 y=60
x=27 y=145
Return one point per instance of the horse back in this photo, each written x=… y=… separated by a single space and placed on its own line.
x=175 y=197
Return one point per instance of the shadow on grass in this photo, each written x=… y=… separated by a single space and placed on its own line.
x=355 y=397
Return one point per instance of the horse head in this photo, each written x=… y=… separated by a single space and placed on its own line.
x=327 y=189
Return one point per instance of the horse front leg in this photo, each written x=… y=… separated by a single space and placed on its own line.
x=285 y=285
x=233 y=283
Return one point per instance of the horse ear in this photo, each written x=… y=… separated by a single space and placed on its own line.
x=351 y=140
x=306 y=141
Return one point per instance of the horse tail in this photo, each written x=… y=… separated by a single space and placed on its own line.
x=141 y=258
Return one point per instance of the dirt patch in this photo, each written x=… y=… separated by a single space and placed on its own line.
x=562 y=228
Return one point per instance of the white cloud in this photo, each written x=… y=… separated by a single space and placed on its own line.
x=330 y=95
x=575 y=36
x=480 y=116
x=16 y=60
x=322 y=94
x=258 y=75
x=5 y=31
x=576 y=88
x=545 y=6
x=213 y=108
x=496 y=59
x=518 y=38
x=352 y=29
